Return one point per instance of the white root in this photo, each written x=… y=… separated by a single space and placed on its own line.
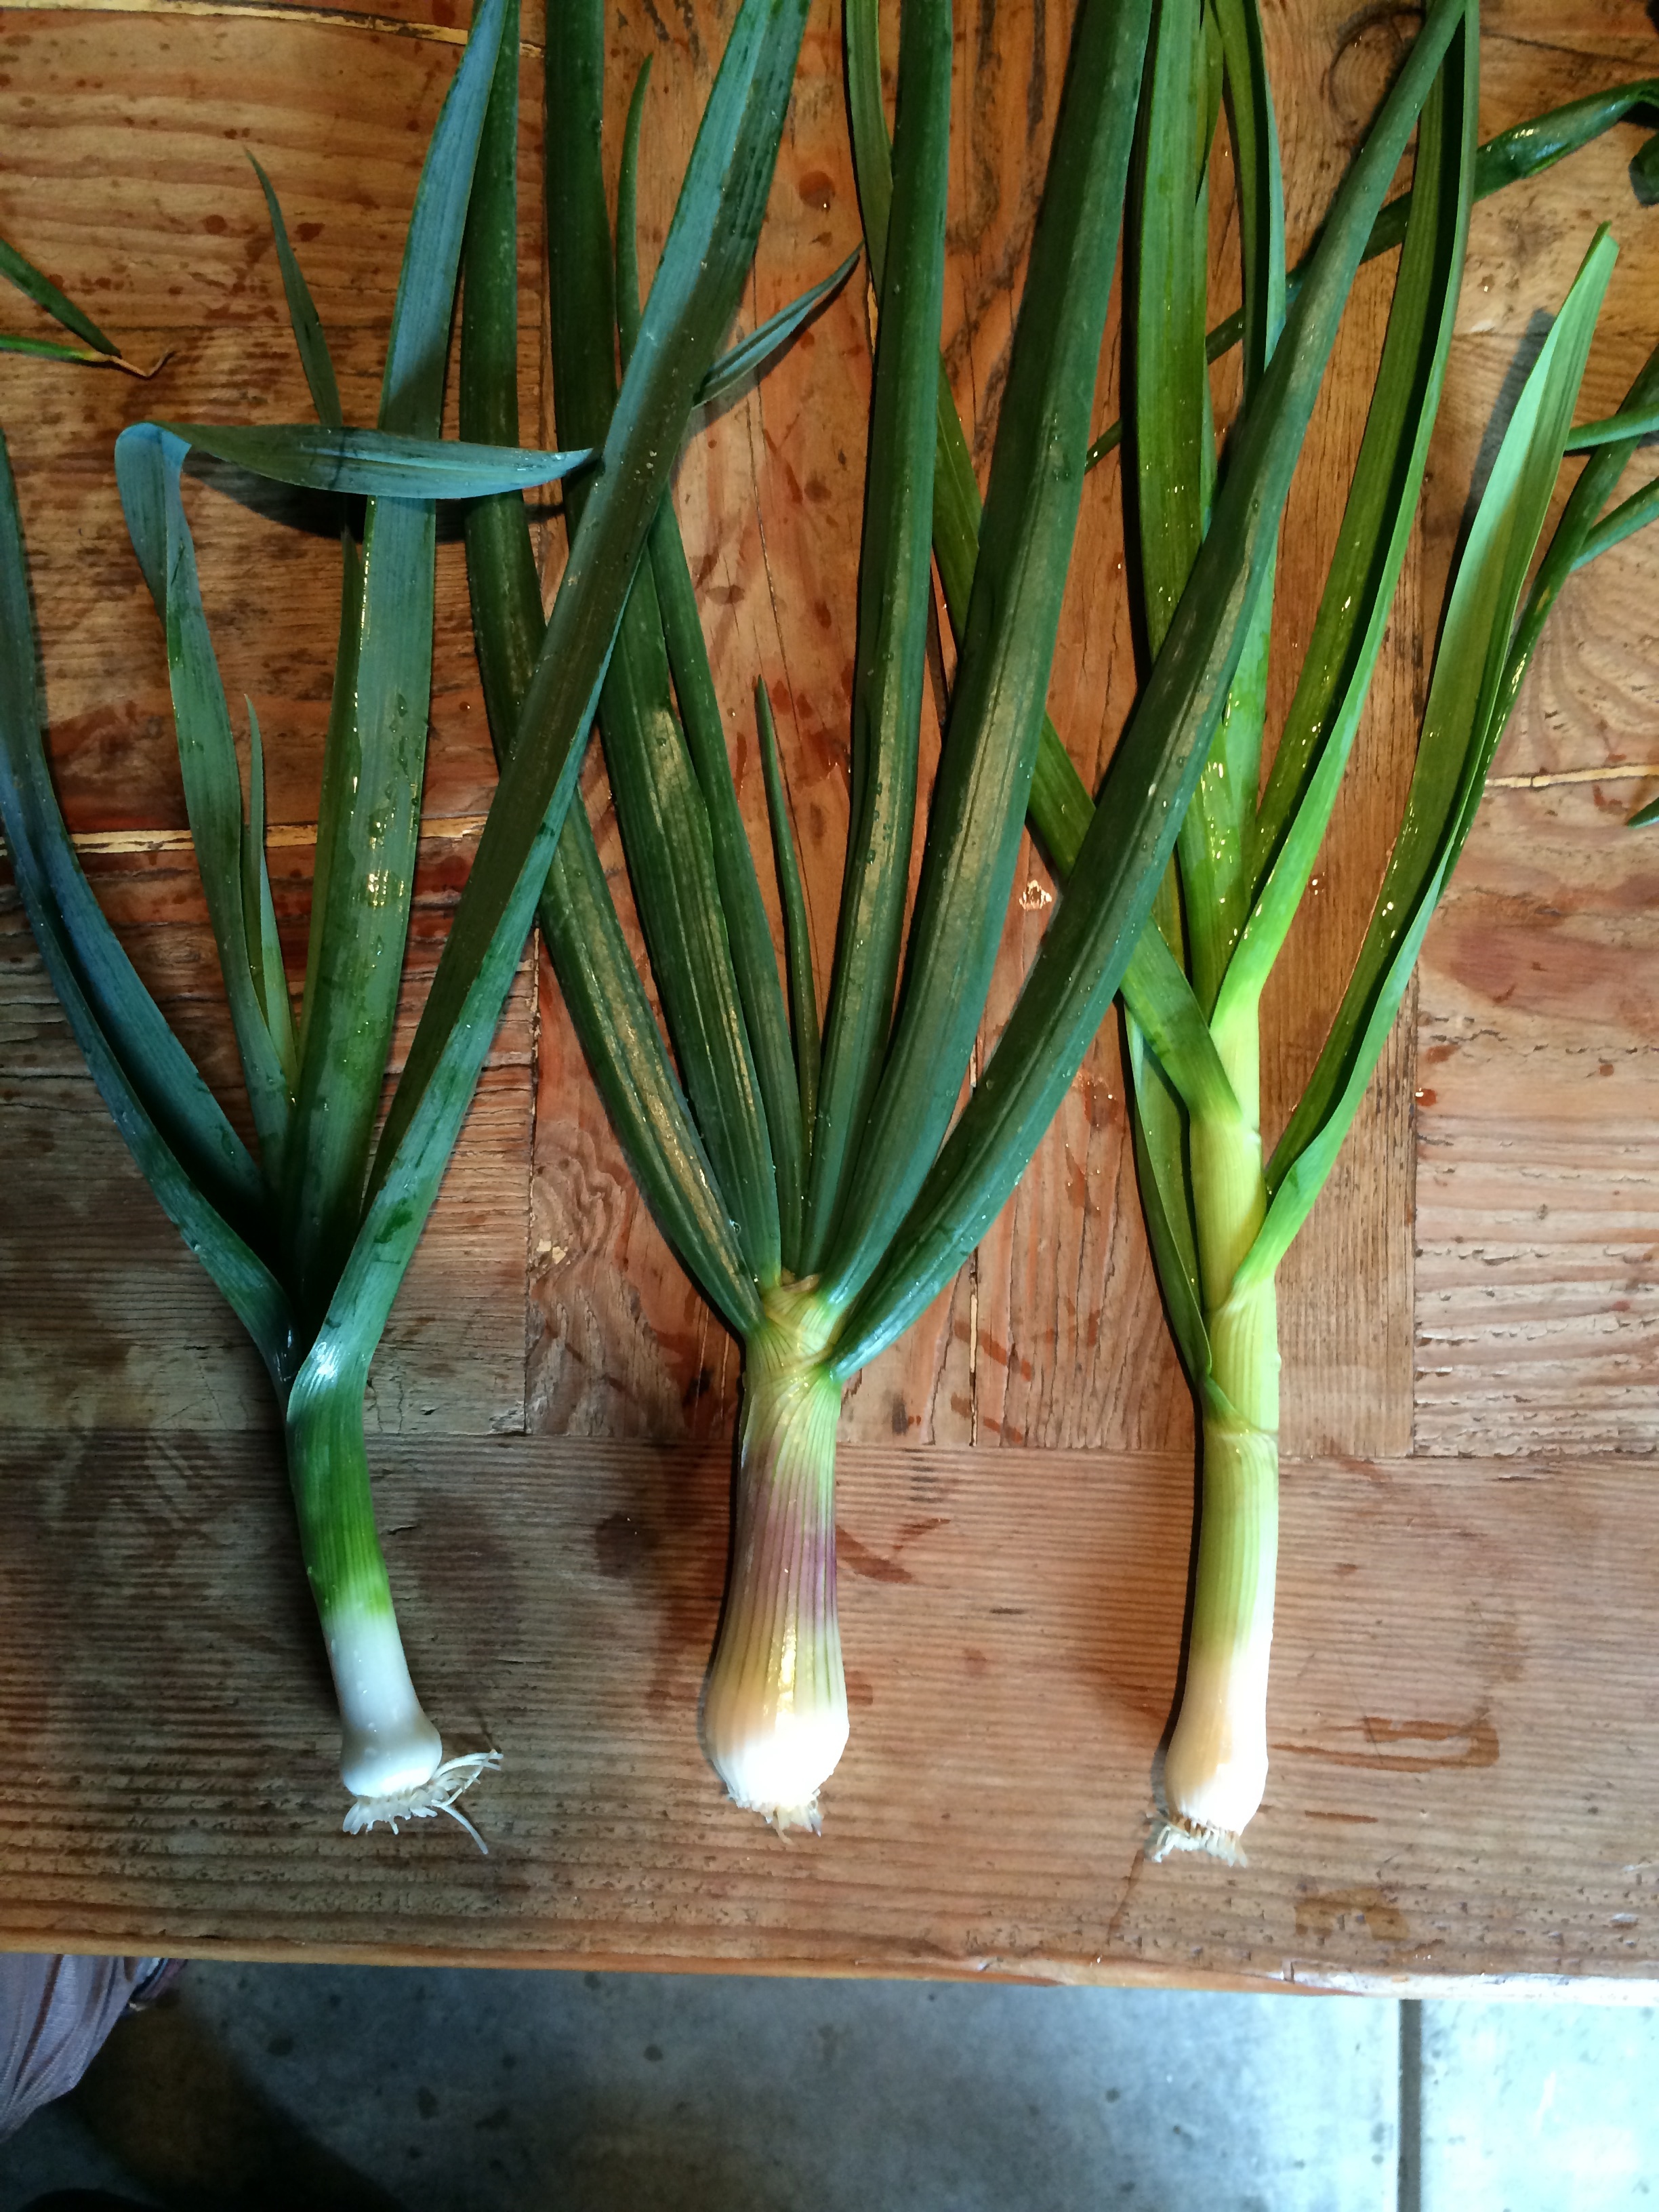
x=437 y=1793
x=1182 y=1835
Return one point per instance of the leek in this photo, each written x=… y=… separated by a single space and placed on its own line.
x=309 y=1233
x=894 y=1196
x=779 y=1161
x=1219 y=1217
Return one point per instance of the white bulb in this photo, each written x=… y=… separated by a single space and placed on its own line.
x=388 y=1749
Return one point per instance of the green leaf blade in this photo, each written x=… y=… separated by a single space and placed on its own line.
x=754 y=961
x=306 y=324
x=36 y=285
x=148 y=464
x=602 y=992
x=753 y=356
x=1090 y=940
x=894 y=600
x=375 y=463
x=667 y=831
x=797 y=930
x=370 y=819
x=709 y=245
x=1377 y=518
x=196 y=1165
x=996 y=709
x=1469 y=697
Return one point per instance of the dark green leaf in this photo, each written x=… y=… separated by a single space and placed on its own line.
x=259 y=911
x=376 y=464
x=186 y=1150
x=306 y=323
x=45 y=294
x=612 y=1017
x=1474 y=686
x=661 y=811
x=1525 y=150
x=369 y=820
x=710 y=244
x=630 y=294
x=1060 y=808
x=666 y=833
x=752 y=355
x=797 y=930
x=895 y=601
x=148 y=462
x=1624 y=521
x=1353 y=611
x=997 y=706
x=1098 y=921
x=53 y=350
x=754 y=960
x=1174 y=463
x=1158 y=1123
x=601 y=988
x=1260 y=183
x=1174 y=454
x=1621 y=429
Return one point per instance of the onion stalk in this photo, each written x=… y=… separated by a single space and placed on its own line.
x=782 y=1161
x=309 y=1234
x=1220 y=1213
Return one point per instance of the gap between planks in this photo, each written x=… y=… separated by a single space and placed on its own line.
x=437 y=829
x=442 y=827
x=331 y=19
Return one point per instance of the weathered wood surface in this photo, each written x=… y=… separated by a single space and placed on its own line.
x=1538 y=1073
x=994 y=1805
x=1437 y=1808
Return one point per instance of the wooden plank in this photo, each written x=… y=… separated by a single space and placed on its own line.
x=1538 y=1114
x=1469 y=1797
x=1537 y=1323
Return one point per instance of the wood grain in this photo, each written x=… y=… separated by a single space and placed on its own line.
x=1538 y=1190
x=1437 y=1807
x=1538 y=1114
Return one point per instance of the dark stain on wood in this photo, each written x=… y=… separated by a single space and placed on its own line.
x=871 y=1564
x=622 y=1545
x=1331 y=1911
x=1456 y=1743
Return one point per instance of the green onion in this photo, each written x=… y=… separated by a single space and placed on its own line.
x=1121 y=854
x=1220 y=1221
x=1216 y=1220
x=309 y=1240
x=828 y=1147
x=892 y=1201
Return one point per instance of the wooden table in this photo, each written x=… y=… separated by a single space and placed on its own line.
x=1465 y=1718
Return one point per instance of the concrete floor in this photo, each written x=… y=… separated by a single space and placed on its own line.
x=327 y=2087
